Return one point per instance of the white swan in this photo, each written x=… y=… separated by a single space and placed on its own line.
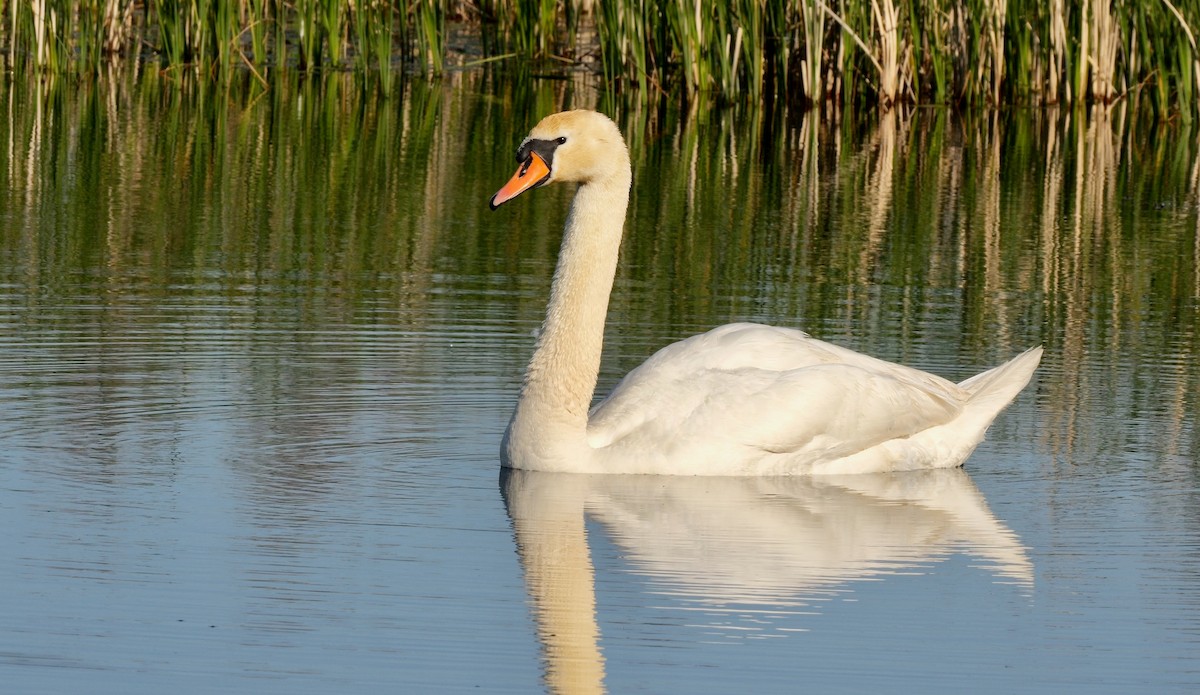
x=741 y=399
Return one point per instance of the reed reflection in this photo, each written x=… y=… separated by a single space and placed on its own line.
x=736 y=543
x=925 y=237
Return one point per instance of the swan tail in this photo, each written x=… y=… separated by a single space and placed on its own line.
x=988 y=394
x=994 y=389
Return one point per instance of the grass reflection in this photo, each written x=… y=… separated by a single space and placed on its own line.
x=941 y=240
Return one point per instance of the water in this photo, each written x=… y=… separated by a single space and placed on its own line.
x=258 y=351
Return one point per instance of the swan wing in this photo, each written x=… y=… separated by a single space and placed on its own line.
x=747 y=386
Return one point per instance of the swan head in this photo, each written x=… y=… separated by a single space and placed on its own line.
x=573 y=146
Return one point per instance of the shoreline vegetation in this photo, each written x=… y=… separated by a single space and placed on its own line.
x=849 y=53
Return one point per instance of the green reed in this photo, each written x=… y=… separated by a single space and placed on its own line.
x=852 y=52
x=374 y=26
x=628 y=44
x=256 y=14
x=430 y=19
x=533 y=29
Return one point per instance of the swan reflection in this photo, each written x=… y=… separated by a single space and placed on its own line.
x=744 y=545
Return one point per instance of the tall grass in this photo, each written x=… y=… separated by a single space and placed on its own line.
x=430 y=20
x=215 y=36
x=860 y=52
x=996 y=52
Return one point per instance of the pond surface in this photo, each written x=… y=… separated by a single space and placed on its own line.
x=258 y=351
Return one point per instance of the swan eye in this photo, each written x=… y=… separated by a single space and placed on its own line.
x=560 y=140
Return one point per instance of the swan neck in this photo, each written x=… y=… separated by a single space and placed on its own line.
x=562 y=373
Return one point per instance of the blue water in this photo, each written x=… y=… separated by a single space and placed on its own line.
x=216 y=477
x=173 y=522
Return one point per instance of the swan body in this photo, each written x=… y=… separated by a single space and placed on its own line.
x=741 y=399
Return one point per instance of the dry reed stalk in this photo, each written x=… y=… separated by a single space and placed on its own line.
x=992 y=63
x=1085 y=50
x=118 y=25
x=888 y=26
x=1058 y=50
x=1104 y=40
x=812 y=23
x=731 y=84
x=45 y=20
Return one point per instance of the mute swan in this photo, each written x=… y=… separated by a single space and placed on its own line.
x=741 y=399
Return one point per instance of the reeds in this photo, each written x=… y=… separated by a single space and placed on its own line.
x=854 y=52
x=216 y=36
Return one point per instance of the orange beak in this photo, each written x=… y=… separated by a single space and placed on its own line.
x=531 y=173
